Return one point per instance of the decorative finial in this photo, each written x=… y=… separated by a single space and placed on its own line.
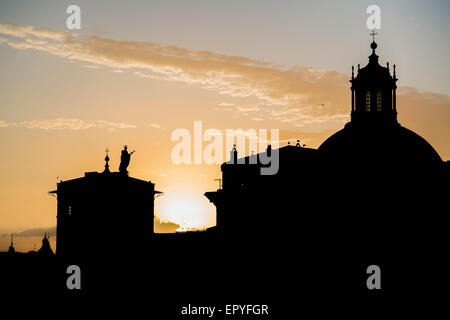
x=358 y=67
x=298 y=143
x=353 y=72
x=373 y=34
x=394 y=70
x=11 y=249
x=387 y=65
x=106 y=161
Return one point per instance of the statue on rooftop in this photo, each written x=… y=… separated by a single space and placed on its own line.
x=125 y=160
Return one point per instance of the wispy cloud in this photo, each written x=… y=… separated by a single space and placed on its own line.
x=299 y=96
x=155 y=125
x=35 y=232
x=65 y=124
x=160 y=227
x=248 y=108
x=91 y=67
x=25 y=31
x=298 y=87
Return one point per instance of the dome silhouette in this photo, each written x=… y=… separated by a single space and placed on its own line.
x=392 y=144
x=373 y=136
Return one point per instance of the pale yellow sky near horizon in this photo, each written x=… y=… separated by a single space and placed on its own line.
x=66 y=97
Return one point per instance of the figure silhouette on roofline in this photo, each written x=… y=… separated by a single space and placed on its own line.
x=125 y=160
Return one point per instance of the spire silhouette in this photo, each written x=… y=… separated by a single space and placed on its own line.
x=106 y=162
x=11 y=246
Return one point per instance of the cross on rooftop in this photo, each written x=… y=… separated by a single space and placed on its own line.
x=373 y=34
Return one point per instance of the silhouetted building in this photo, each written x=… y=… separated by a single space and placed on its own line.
x=372 y=176
x=373 y=193
x=44 y=251
x=102 y=211
x=373 y=133
x=249 y=201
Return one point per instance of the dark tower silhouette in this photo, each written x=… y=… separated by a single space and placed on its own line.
x=374 y=92
x=95 y=209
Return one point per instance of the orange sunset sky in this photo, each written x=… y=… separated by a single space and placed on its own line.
x=138 y=70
